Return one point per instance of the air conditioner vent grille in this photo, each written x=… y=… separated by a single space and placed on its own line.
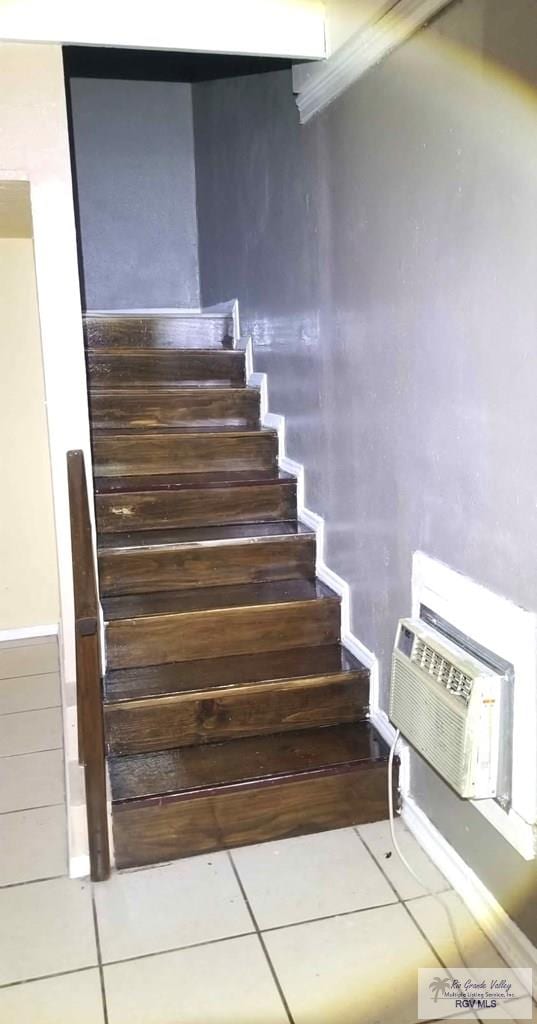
x=427 y=721
x=440 y=668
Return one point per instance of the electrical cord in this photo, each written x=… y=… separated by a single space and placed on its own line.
x=430 y=892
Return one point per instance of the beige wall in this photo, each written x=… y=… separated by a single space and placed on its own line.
x=35 y=149
x=29 y=578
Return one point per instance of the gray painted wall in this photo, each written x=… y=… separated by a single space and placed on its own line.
x=134 y=152
x=385 y=258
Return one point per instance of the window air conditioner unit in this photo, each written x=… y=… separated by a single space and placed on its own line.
x=447 y=704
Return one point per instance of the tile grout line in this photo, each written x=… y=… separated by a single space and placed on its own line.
x=177 y=949
x=29 y=711
x=29 y=675
x=226 y=938
x=25 y=753
x=36 y=807
x=442 y=892
x=404 y=902
x=99 y=957
x=412 y=899
x=328 y=917
x=129 y=959
x=363 y=843
x=204 y=942
x=271 y=967
x=30 y=881
x=45 y=977
x=426 y=937
x=401 y=900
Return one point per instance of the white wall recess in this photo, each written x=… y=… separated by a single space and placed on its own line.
x=511 y=633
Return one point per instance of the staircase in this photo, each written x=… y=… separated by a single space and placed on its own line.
x=232 y=713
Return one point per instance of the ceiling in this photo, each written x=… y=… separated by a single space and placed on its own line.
x=162 y=65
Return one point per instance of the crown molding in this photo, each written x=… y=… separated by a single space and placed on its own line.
x=361 y=52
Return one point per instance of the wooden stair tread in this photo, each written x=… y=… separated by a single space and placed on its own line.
x=121 y=452
x=249 y=595
x=205 y=535
x=169 y=330
x=136 y=407
x=232 y=671
x=232 y=713
x=178 y=388
x=150 y=432
x=181 y=391
x=125 y=351
x=184 y=481
x=119 y=366
x=215 y=766
x=194 y=500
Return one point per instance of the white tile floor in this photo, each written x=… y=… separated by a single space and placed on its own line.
x=323 y=929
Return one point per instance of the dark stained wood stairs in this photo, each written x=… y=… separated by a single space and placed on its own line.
x=232 y=712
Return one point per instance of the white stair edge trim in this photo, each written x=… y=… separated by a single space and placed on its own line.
x=510 y=941
x=362 y=51
x=28 y=633
x=316 y=522
x=220 y=309
x=226 y=309
x=185 y=311
x=502 y=931
x=223 y=311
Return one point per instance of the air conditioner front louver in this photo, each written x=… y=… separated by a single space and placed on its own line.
x=443 y=670
x=447 y=704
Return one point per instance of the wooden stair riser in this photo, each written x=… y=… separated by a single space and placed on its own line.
x=130 y=455
x=182 y=407
x=331 y=662
x=203 y=506
x=145 y=570
x=146 y=832
x=109 y=368
x=155 y=639
x=159 y=332
x=133 y=727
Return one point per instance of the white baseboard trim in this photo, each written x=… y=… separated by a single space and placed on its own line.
x=513 y=945
x=28 y=633
x=502 y=931
x=377 y=715
x=79 y=867
x=223 y=308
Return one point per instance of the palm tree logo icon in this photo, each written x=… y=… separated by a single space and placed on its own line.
x=439 y=986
